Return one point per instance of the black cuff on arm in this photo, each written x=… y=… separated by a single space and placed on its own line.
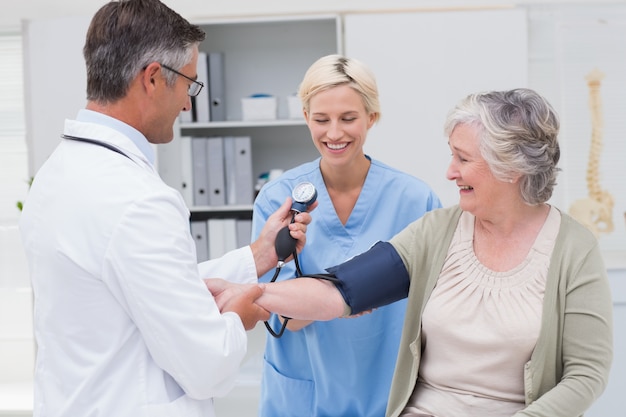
x=372 y=279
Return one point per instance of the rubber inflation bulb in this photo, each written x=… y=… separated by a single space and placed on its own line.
x=285 y=244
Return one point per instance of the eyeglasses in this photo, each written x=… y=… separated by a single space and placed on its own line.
x=195 y=88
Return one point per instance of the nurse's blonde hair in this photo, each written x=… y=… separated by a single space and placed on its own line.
x=335 y=70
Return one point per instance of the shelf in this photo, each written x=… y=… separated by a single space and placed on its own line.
x=243 y=124
x=220 y=209
x=207 y=212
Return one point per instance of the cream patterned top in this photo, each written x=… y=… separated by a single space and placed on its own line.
x=479 y=328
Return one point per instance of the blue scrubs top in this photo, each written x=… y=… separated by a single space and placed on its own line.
x=341 y=367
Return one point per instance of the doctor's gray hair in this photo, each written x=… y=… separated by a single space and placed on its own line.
x=335 y=70
x=125 y=36
x=518 y=132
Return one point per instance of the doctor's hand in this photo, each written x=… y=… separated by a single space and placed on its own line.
x=263 y=249
x=238 y=298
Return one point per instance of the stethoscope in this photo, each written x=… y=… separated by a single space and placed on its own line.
x=303 y=195
x=95 y=142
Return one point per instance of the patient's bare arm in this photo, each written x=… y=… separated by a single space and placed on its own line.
x=301 y=298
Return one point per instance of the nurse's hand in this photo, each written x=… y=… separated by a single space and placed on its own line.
x=263 y=249
x=240 y=299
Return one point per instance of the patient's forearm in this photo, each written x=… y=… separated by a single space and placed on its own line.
x=304 y=298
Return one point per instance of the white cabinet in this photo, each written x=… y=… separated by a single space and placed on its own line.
x=260 y=56
x=424 y=66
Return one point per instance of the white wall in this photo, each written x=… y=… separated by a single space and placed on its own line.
x=36 y=9
x=69 y=85
x=17 y=346
x=16 y=338
x=193 y=9
x=425 y=71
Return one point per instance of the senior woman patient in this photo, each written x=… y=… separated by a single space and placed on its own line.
x=509 y=307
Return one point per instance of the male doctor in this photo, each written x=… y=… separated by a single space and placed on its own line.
x=123 y=322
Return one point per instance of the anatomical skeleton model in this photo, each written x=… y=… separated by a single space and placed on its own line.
x=595 y=211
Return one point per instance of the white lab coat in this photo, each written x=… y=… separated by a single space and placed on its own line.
x=123 y=322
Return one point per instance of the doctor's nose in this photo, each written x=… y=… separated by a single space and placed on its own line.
x=187 y=106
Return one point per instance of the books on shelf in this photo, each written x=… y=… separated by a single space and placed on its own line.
x=220 y=175
x=210 y=104
x=244 y=232
x=186 y=170
x=216 y=86
x=215 y=171
x=221 y=170
x=222 y=236
x=238 y=169
x=200 y=171
x=201 y=101
x=216 y=236
x=200 y=236
x=175 y=167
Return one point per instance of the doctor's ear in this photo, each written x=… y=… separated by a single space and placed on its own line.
x=149 y=73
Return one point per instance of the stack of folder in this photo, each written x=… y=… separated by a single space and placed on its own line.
x=216 y=236
x=210 y=104
x=221 y=171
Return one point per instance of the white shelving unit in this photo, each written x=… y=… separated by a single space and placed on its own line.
x=268 y=56
x=262 y=56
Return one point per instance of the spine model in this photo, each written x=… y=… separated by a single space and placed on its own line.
x=595 y=211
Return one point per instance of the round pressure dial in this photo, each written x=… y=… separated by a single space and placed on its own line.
x=304 y=194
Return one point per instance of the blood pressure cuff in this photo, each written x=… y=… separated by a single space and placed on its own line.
x=372 y=279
